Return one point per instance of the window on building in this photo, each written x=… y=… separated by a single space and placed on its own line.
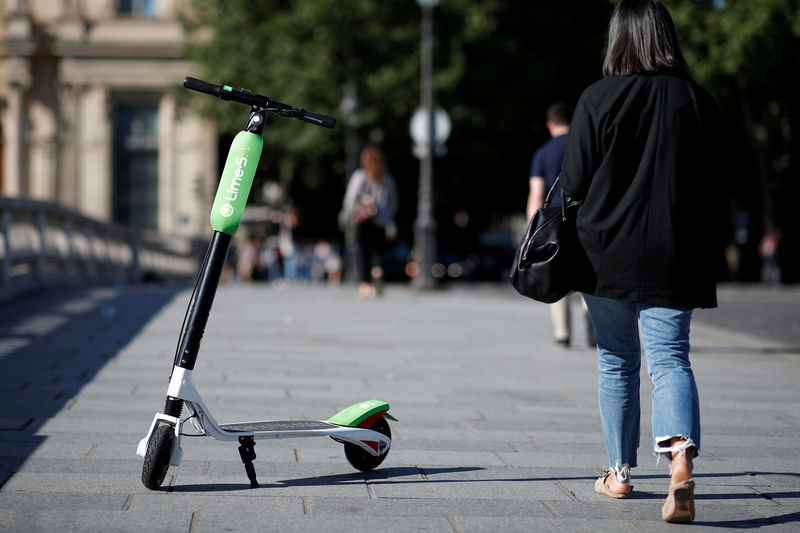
x=135 y=191
x=140 y=8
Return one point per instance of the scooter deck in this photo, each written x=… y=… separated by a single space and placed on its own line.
x=277 y=425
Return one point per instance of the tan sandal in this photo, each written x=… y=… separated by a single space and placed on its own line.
x=679 y=507
x=601 y=487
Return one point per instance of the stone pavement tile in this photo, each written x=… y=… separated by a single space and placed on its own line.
x=780 y=495
x=546 y=525
x=721 y=440
x=787 y=452
x=711 y=477
x=547 y=457
x=114 y=420
x=458 y=483
x=234 y=502
x=215 y=522
x=128 y=468
x=18 y=436
x=347 y=485
x=405 y=507
x=31 y=501
x=93 y=521
x=444 y=458
x=412 y=435
x=645 y=514
x=779 y=514
x=743 y=464
x=72 y=483
x=30 y=404
x=288 y=469
x=11 y=423
x=536 y=447
x=713 y=520
x=481 y=442
x=780 y=479
x=48 y=448
x=582 y=436
x=656 y=490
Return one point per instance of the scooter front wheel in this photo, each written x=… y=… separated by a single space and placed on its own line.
x=361 y=459
x=156 y=459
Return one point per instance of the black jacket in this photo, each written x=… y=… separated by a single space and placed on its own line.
x=644 y=152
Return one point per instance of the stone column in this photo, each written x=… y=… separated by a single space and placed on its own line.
x=94 y=153
x=67 y=180
x=14 y=135
x=170 y=179
x=42 y=152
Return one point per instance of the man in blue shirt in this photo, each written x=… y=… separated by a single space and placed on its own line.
x=546 y=162
x=545 y=168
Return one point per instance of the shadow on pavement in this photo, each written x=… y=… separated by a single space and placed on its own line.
x=52 y=344
x=753 y=523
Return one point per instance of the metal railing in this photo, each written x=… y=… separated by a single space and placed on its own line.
x=43 y=244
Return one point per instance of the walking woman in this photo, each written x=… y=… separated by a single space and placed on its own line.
x=369 y=206
x=643 y=154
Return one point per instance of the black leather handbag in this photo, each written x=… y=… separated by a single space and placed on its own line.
x=550 y=262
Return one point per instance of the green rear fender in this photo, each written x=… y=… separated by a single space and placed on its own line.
x=236 y=181
x=362 y=414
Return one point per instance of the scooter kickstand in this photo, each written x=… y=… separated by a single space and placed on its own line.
x=248 y=454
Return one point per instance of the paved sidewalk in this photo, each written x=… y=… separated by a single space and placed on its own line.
x=498 y=431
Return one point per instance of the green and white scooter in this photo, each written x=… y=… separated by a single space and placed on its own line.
x=362 y=427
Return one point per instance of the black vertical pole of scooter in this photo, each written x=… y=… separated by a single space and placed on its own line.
x=194 y=323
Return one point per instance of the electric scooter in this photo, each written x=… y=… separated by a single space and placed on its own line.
x=362 y=427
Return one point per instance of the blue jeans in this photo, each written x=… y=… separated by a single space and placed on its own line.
x=665 y=336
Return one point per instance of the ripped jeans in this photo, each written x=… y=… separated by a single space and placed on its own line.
x=676 y=409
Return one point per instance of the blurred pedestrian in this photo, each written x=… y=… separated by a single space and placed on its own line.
x=370 y=204
x=545 y=168
x=644 y=155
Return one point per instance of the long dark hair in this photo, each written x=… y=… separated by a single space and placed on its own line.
x=642 y=38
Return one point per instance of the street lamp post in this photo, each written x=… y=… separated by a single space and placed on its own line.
x=349 y=106
x=425 y=224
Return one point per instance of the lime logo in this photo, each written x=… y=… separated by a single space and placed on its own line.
x=226 y=210
x=233 y=190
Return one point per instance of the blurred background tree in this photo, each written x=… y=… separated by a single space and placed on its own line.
x=497 y=66
x=746 y=53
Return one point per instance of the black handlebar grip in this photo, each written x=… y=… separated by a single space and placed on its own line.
x=202 y=86
x=316 y=118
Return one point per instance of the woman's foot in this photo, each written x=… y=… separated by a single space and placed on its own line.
x=679 y=507
x=681 y=465
x=608 y=485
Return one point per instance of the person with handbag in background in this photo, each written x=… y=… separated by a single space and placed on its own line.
x=368 y=210
x=644 y=157
x=545 y=168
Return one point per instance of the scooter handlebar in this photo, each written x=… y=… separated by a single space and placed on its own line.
x=316 y=118
x=202 y=86
x=248 y=98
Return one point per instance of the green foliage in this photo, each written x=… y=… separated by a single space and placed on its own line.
x=308 y=53
x=497 y=66
x=747 y=55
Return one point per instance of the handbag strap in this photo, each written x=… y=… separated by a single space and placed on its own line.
x=552 y=192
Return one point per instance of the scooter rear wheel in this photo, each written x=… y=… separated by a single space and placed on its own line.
x=156 y=458
x=360 y=458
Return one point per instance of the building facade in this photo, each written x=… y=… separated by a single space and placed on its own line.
x=88 y=116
